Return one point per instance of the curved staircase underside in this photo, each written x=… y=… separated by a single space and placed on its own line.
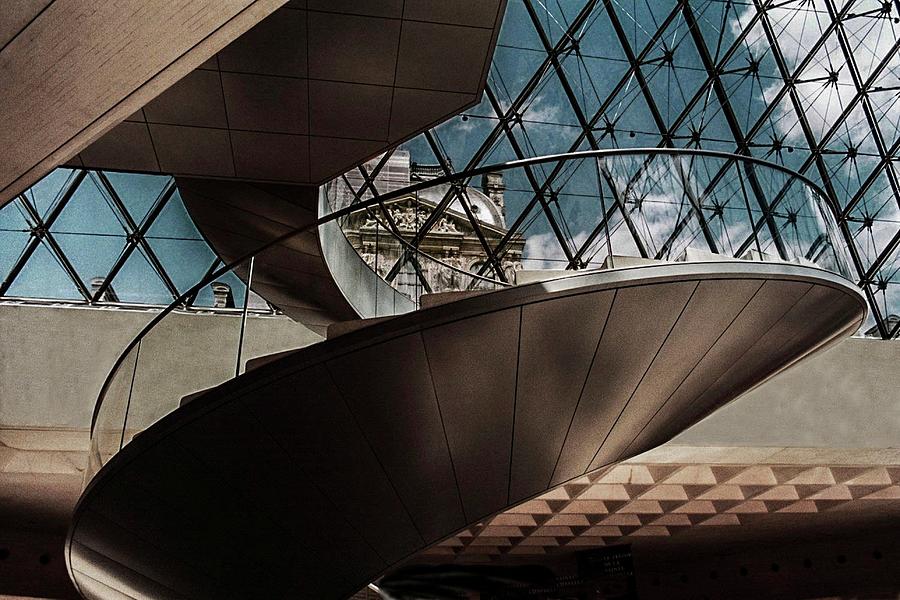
x=316 y=473
x=315 y=277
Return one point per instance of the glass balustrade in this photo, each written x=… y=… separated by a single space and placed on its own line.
x=388 y=246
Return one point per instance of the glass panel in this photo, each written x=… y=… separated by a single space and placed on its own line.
x=174 y=222
x=44 y=277
x=92 y=256
x=138 y=192
x=161 y=381
x=47 y=192
x=89 y=211
x=151 y=381
x=12 y=217
x=12 y=244
x=108 y=428
x=138 y=282
x=662 y=205
x=14 y=236
x=185 y=261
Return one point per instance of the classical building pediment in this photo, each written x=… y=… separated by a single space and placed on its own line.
x=409 y=213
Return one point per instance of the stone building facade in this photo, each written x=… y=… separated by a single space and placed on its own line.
x=451 y=250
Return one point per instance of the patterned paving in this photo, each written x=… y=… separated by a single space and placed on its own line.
x=673 y=489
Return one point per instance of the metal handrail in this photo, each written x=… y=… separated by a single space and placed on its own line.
x=464 y=175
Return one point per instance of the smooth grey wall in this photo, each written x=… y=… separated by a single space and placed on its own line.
x=53 y=360
x=845 y=397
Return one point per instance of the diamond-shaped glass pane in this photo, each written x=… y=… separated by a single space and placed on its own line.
x=138 y=192
x=44 y=277
x=705 y=74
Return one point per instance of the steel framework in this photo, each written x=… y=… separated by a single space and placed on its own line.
x=98 y=238
x=811 y=84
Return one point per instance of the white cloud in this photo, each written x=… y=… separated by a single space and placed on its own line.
x=542 y=251
x=798 y=26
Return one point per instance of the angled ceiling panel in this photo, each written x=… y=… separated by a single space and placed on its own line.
x=72 y=70
x=312 y=91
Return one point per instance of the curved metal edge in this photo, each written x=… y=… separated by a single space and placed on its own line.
x=579 y=282
x=331 y=230
x=424 y=185
x=602 y=153
x=575 y=284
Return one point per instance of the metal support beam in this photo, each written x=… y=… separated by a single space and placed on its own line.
x=45 y=225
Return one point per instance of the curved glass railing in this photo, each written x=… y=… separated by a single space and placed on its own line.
x=608 y=209
x=659 y=204
x=358 y=264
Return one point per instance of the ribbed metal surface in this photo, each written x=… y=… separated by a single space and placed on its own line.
x=313 y=474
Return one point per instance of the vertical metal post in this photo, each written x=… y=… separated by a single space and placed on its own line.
x=611 y=182
x=237 y=366
x=377 y=255
x=137 y=357
x=753 y=231
x=418 y=271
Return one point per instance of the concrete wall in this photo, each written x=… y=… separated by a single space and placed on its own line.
x=53 y=360
x=845 y=397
